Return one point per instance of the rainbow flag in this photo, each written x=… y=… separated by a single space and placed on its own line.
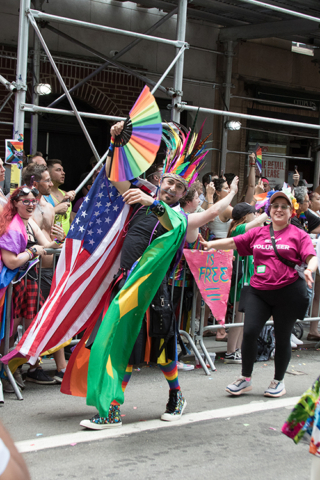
x=258 y=154
x=261 y=200
x=121 y=325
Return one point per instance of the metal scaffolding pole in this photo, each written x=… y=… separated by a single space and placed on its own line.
x=212 y=111
x=282 y=10
x=272 y=155
x=71 y=21
x=117 y=56
x=22 y=62
x=35 y=81
x=6 y=100
x=178 y=71
x=316 y=176
x=174 y=62
x=227 y=96
x=9 y=85
x=63 y=85
x=27 y=107
x=134 y=73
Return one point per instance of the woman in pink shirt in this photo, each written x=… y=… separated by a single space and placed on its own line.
x=275 y=289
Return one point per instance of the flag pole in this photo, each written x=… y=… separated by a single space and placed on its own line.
x=82 y=184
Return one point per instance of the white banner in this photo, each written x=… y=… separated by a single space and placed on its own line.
x=273 y=168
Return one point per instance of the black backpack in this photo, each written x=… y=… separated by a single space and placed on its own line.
x=266 y=343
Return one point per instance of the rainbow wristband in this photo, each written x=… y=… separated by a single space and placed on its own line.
x=30 y=253
x=58 y=242
x=111 y=146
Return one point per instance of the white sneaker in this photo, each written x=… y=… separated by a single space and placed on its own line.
x=184 y=366
x=293 y=345
x=296 y=340
x=241 y=385
x=275 y=389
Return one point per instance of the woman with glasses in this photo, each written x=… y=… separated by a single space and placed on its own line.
x=275 y=288
x=21 y=241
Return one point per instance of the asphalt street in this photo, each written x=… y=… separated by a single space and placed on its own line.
x=219 y=435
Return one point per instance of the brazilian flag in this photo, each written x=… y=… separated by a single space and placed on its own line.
x=121 y=325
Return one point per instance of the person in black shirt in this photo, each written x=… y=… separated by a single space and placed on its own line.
x=146 y=224
x=304 y=219
x=309 y=222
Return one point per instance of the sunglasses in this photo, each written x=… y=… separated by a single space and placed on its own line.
x=25 y=191
x=275 y=206
x=28 y=202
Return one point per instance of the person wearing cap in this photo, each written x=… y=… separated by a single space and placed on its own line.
x=276 y=288
x=243 y=219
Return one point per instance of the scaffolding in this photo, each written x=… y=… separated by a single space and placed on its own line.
x=31 y=17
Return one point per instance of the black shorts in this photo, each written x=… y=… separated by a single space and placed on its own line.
x=46 y=281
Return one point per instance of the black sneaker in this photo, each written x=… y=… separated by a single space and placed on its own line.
x=58 y=376
x=234 y=357
x=100 y=423
x=175 y=406
x=39 y=376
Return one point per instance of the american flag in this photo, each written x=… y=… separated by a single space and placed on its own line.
x=89 y=259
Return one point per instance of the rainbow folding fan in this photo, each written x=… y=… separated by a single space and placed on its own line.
x=137 y=145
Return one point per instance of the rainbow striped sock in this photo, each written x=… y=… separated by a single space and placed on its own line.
x=170 y=371
x=125 y=381
x=126 y=377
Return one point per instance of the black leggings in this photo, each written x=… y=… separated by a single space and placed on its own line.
x=286 y=305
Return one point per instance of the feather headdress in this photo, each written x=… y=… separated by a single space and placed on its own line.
x=185 y=152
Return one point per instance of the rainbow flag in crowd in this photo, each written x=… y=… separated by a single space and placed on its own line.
x=261 y=200
x=258 y=154
x=121 y=325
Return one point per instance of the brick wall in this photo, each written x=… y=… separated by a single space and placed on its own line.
x=111 y=92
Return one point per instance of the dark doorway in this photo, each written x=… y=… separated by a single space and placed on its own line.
x=66 y=141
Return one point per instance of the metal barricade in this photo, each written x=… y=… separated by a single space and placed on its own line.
x=308 y=318
x=7 y=370
x=192 y=338
x=56 y=253
x=6 y=347
x=50 y=251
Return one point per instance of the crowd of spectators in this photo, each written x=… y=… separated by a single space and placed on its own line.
x=46 y=212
